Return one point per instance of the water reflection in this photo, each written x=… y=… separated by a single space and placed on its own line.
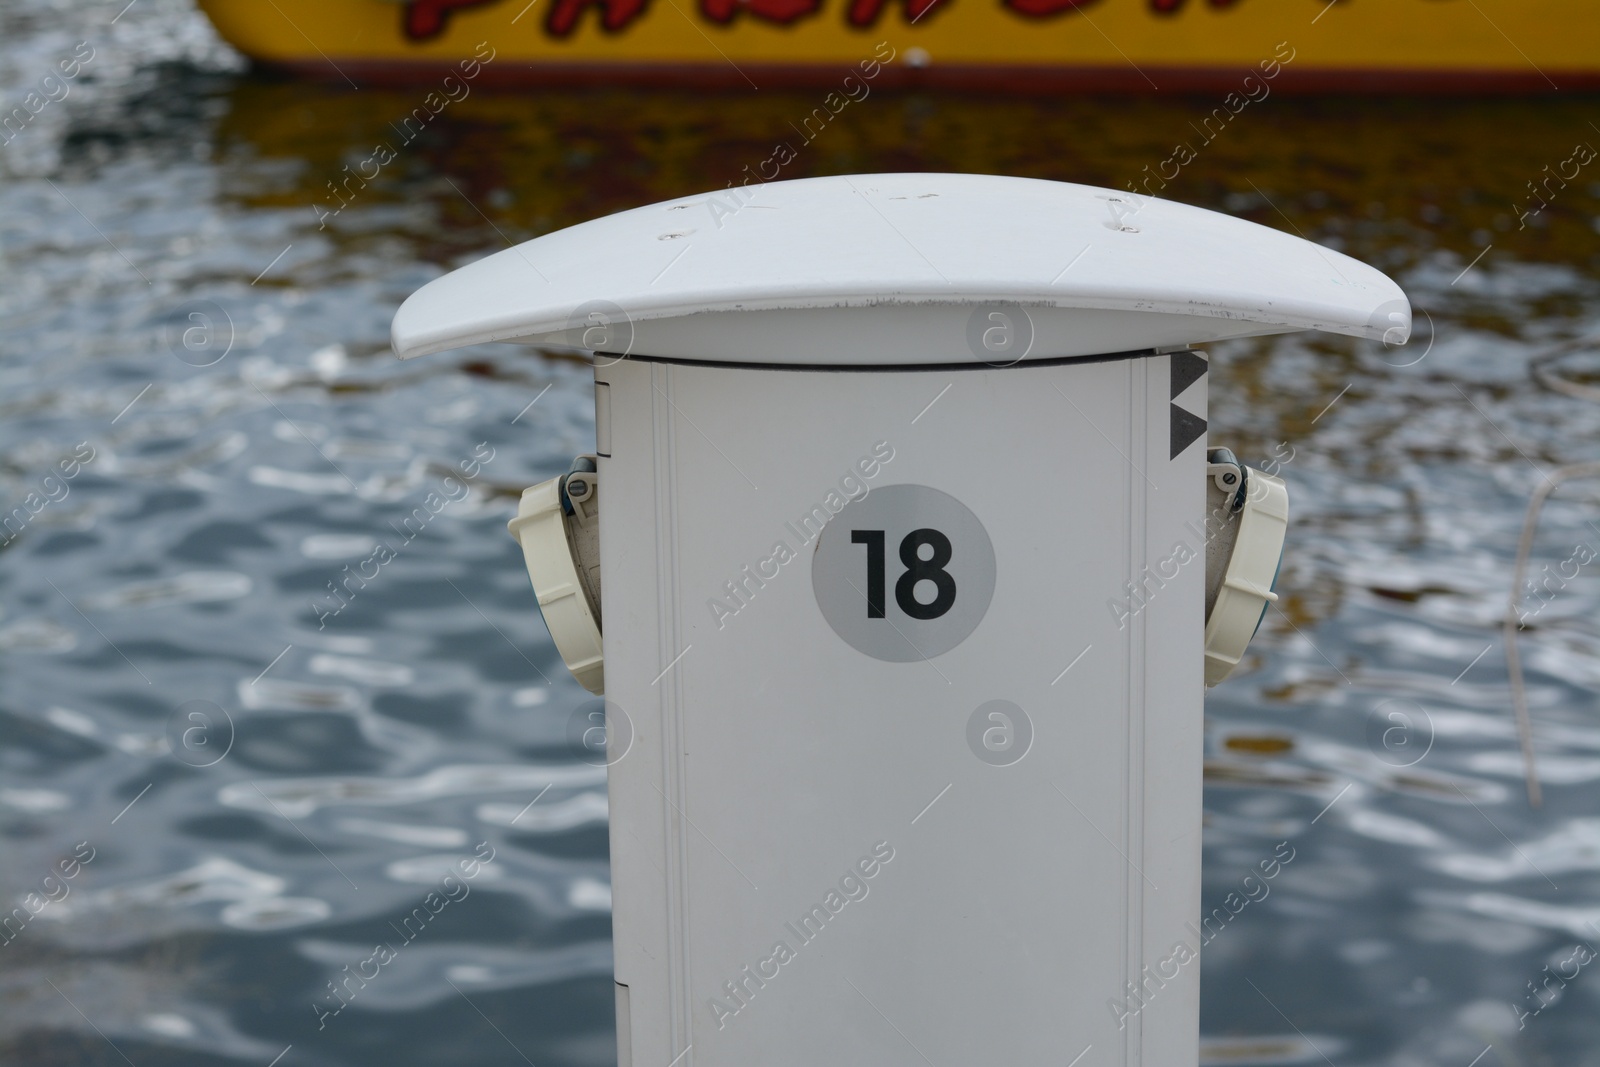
x=249 y=459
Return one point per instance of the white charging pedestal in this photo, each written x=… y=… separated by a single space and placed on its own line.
x=903 y=543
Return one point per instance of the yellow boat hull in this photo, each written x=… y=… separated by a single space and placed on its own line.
x=1118 y=45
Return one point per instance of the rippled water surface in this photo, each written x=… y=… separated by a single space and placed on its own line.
x=265 y=787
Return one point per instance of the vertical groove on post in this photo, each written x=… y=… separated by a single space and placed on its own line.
x=664 y=426
x=1138 y=663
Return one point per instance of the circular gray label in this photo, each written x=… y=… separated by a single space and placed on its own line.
x=999 y=733
x=904 y=573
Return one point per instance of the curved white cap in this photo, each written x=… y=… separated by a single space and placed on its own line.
x=901 y=269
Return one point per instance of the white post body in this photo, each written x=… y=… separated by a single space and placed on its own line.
x=1019 y=913
x=901 y=497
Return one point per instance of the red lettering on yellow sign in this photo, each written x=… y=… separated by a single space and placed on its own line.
x=780 y=11
x=866 y=12
x=614 y=14
x=1046 y=8
x=425 y=19
x=1172 y=7
x=1040 y=9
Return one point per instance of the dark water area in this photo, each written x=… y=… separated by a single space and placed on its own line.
x=253 y=788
